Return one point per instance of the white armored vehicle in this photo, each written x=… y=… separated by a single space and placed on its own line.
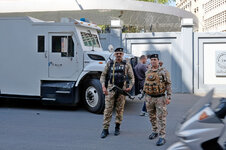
x=55 y=62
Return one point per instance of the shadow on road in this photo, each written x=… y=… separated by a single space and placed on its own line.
x=35 y=104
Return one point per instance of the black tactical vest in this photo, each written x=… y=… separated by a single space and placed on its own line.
x=119 y=73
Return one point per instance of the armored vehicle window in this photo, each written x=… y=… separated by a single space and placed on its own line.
x=56 y=43
x=69 y=46
x=41 y=43
x=90 y=39
x=63 y=45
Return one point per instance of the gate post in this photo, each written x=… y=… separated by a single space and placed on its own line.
x=116 y=33
x=187 y=54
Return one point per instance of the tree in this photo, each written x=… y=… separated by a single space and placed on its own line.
x=105 y=28
x=158 y=1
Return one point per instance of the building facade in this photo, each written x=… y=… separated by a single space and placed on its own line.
x=211 y=13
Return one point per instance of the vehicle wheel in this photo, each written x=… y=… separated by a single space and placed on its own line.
x=93 y=96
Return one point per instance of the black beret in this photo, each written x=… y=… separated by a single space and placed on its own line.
x=119 y=50
x=154 y=56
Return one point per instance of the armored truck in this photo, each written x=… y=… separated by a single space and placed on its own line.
x=55 y=62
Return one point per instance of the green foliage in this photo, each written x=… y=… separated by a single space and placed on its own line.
x=158 y=1
x=125 y=29
x=105 y=28
x=130 y=29
x=147 y=0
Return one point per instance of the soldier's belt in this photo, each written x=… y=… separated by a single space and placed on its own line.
x=160 y=95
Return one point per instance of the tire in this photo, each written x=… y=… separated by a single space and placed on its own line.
x=93 y=96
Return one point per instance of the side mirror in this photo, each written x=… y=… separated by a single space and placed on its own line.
x=110 y=48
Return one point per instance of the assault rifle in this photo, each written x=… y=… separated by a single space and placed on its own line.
x=119 y=90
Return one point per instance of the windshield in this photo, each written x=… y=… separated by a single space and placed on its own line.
x=90 y=40
x=198 y=105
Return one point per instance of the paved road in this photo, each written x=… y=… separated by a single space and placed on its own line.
x=31 y=126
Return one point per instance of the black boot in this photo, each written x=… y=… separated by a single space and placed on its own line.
x=104 y=133
x=161 y=142
x=153 y=135
x=117 y=129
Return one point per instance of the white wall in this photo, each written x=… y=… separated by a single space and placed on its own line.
x=210 y=63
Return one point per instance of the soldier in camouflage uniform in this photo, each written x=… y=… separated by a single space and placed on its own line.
x=115 y=73
x=157 y=83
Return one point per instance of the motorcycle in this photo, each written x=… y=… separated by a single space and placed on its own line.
x=202 y=126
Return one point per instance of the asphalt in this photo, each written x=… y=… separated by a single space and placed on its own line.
x=26 y=125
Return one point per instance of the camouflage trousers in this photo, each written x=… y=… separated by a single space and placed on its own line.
x=157 y=110
x=110 y=103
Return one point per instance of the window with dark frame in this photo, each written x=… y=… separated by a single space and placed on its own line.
x=56 y=44
x=41 y=43
x=70 y=47
x=63 y=45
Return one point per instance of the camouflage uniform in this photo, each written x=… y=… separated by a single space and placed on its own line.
x=110 y=100
x=156 y=106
